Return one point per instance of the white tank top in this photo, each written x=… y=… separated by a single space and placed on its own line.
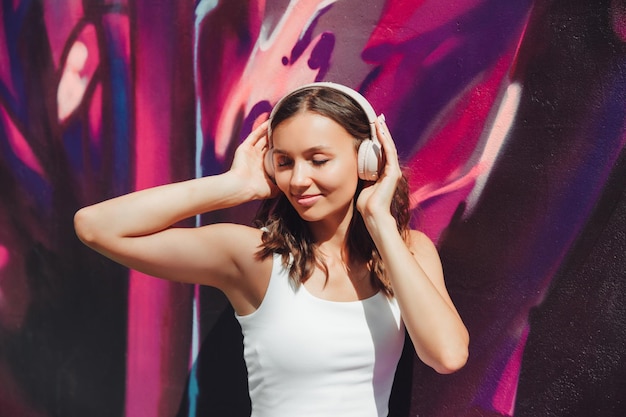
x=311 y=357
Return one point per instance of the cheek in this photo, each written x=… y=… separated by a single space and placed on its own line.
x=344 y=177
x=347 y=170
x=281 y=180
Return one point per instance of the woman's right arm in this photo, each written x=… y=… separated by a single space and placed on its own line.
x=135 y=229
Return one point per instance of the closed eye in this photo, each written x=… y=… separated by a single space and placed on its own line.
x=319 y=162
x=282 y=161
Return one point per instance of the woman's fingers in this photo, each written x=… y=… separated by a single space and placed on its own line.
x=251 y=150
x=387 y=143
x=385 y=136
x=258 y=137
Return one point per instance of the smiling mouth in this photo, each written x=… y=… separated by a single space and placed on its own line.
x=307 y=200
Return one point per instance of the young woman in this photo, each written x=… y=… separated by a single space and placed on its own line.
x=327 y=284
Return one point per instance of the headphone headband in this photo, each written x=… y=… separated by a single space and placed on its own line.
x=355 y=95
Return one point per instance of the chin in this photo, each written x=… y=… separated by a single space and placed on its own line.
x=308 y=216
x=316 y=214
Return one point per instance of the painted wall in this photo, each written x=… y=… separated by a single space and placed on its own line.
x=509 y=115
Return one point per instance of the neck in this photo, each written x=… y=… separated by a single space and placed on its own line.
x=331 y=235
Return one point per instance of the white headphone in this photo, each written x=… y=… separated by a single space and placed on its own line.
x=369 y=158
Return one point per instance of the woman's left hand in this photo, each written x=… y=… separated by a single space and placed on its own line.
x=375 y=198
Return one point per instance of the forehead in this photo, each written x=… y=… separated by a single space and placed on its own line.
x=309 y=129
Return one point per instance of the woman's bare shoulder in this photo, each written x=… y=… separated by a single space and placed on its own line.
x=246 y=285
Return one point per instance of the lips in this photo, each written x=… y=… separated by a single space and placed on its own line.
x=307 y=200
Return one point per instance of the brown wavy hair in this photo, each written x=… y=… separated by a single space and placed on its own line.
x=287 y=234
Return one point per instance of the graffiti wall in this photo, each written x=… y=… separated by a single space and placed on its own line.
x=508 y=114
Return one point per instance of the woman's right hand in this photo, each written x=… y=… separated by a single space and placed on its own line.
x=248 y=163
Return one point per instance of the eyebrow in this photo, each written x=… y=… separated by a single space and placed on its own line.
x=314 y=149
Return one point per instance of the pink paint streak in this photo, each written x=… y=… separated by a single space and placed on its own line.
x=504 y=398
x=15 y=296
x=72 y=85
x=20 y=146
x=447 y=167
x=5 y=63
x=618 y=19
x=78 y=69
x=61 y=17
x=95 y=116
x=147 y=297
x=4 y=256
x=403 y=20
x=261 y=69
x=159 y=312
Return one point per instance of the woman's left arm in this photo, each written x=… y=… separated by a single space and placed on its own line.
x=438 y=334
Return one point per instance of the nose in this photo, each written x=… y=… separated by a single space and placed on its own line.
x=300 y=175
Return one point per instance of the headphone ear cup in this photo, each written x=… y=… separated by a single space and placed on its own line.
x=268 y=163
x=369 y=160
